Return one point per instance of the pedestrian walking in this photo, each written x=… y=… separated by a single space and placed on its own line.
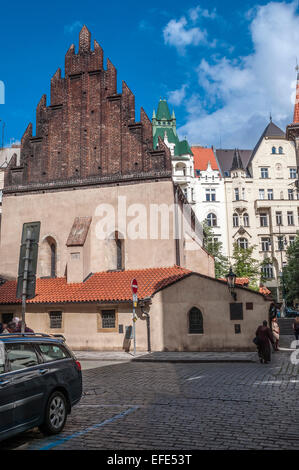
x=275 y=331
x=264 y=339
x=11 y=327
x=18 y=328
x=296 y=328
x=272 y=312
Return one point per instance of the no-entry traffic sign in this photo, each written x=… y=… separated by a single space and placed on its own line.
x=134 y=286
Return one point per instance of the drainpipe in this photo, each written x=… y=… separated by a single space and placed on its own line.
x=177 y=237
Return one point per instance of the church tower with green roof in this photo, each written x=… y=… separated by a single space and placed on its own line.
x=164 y=126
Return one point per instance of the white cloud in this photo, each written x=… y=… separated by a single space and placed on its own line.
x=176 y=33
x=176 y=97
x=197 y=12
x=245 y=90
x=70 y=28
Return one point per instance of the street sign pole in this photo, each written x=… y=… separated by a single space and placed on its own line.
x=134 y=287
x=134 y=330
x=25 y=279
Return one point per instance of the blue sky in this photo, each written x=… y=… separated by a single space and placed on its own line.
x=223 y=65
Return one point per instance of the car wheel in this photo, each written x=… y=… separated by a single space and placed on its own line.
x=56 y=413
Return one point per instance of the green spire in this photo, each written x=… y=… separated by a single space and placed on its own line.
x=163 y=111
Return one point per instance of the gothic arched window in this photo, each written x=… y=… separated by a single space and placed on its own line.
x=195 y=321
x=119 y=242
x=273 y=149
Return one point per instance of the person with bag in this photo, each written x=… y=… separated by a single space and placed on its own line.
x=275 y=331
x=296 y=328
x=264 y=339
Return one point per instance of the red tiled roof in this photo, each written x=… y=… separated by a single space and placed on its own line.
x=100 y=287
x=202 y=156
x=240 y=281
x=264 y=290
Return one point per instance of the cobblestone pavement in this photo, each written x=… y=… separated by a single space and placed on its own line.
x=171 y=406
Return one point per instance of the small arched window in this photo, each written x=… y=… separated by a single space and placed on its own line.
x=246 y=220
x=235 y=220
x=195 y=321
x=273 y=149
x=53 y=259
x=119 y=242
x=280 y=150
x=243 y=243
x=211 y=220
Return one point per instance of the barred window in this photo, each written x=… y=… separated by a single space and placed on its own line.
x=55 y=319
x=195 y=321
x=108 y=318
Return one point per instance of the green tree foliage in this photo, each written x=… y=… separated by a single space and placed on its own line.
x=245 y=265
x=291 y=272
x=215 y=249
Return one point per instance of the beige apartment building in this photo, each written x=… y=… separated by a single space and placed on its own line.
x=262 y=201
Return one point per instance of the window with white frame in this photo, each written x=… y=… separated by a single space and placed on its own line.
x=293 y=173
x=261 y=194
x=243 y=243
x=267 y=271
x=270 y=194
x=235 y=220
x=290 y=194
x=291 y=240
x=210 y=194
x=266 y=243
x=211 y=220
x=264 y=173
x=237 y=195
x=278 y=218
x=290 y=216
x=246 y=220
x=264 y=219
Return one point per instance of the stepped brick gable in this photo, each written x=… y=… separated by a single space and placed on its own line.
x=88 y=131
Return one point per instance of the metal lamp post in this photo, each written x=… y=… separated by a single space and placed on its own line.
x=282 y=242
x=231 y=282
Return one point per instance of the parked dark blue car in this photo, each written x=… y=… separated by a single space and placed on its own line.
x=40 y=382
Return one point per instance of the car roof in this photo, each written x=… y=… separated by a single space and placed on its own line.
x=37 y=337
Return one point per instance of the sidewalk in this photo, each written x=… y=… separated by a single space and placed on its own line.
x=176 y=357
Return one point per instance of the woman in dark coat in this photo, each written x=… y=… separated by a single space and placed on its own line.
x=265 y=337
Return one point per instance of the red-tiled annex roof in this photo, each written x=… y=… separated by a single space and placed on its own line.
x=202 y=156
x=100 y=287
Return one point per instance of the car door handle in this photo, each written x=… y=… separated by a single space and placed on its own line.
x=43 y=371
x=5 y=382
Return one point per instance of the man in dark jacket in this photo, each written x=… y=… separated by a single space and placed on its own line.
x=18 y=328
x=265 y=338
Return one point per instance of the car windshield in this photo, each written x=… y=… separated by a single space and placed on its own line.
x=2 y=357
